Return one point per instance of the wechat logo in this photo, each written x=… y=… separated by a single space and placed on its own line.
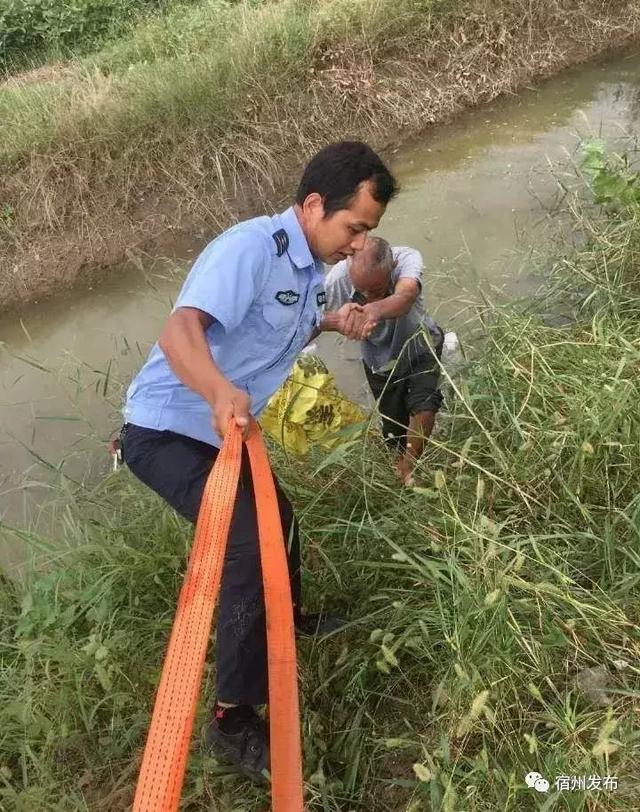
x=537 y=782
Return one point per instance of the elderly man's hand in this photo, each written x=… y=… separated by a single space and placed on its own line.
x=355 y=322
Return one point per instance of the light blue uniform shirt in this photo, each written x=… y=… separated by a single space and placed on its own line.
x=265 y=308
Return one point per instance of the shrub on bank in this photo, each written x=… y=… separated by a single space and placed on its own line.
x=31 y=26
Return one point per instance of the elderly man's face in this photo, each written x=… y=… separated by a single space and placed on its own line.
x=373 y=283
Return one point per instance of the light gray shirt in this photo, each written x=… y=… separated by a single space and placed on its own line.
x=385 y=343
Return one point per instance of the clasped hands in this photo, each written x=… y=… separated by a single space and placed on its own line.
x=356 y=321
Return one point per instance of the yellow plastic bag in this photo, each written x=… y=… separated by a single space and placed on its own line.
x=308 y=409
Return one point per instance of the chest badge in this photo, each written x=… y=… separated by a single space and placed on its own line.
x=287 y=297
x=321 y=298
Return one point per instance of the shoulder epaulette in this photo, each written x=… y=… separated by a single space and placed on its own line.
x=281 y=239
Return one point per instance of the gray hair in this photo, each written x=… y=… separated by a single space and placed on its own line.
x=381 y=256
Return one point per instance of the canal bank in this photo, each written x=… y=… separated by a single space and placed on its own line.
x=193 y=122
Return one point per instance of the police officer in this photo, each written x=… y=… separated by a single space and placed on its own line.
x=252 y=300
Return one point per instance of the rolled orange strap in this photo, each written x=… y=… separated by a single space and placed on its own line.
x=165 y=755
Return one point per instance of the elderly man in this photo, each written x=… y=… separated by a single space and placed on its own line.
x=400 y=364
x=252 y=300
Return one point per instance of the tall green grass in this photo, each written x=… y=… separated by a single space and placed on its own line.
x=495 y=624
x=206 y=65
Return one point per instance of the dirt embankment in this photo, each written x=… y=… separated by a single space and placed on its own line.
x=68 y=215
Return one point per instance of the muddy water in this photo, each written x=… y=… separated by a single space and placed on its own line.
x=474 y=196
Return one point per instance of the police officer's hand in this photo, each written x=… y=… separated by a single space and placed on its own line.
x=355 y=323
x=230 y=403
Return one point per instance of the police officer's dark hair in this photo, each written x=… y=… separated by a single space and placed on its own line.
x=338 y=169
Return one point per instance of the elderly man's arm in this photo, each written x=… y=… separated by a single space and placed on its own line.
x=399 y=303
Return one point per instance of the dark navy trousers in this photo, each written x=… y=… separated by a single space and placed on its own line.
x=177 y=468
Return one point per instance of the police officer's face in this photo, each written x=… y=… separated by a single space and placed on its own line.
x=344 y=232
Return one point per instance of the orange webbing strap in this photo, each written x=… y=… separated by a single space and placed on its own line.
x=166 y=751
x=284 y=715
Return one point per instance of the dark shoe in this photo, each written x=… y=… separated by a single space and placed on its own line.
x=319 y=624
x=247 y=748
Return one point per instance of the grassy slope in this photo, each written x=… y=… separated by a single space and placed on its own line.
x=479 y=599
x=215 y=105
